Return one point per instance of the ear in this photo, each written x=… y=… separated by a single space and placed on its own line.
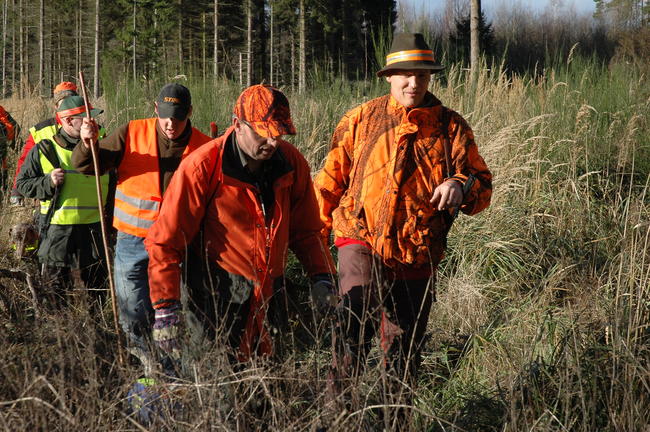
x=387 y=78
x=189 y=113
x=155 y=108
x=236 y=123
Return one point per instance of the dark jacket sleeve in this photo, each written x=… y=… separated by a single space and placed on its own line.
x=111 y=151
x=31 y=181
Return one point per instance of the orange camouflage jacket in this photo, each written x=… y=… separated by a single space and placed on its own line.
x=384 y=163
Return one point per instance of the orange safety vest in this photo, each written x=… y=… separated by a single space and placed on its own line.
x=138 y=195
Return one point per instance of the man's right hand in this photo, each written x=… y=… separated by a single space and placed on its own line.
x=57 y=176
x=89 y=131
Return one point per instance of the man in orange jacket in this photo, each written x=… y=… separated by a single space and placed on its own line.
x=399 y=168
x=9 y=131
x=145 y=153
x=251 y=195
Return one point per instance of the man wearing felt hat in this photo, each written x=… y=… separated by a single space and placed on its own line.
x=145 y=154
x=71 y=241
x=45 y=129
x=398 y=170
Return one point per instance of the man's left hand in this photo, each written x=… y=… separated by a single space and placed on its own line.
x=166 y=330
x=448 y=195
x=324 y=296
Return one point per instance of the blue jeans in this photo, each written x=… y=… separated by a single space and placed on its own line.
x=132 y=288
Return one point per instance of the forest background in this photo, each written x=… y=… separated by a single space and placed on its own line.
x=543 y=303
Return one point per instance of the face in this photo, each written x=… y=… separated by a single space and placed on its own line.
x=72 y=126
x=254 y=145
x=408 y=87
x=171 y=127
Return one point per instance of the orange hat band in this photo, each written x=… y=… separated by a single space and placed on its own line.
x=70 y=112
x=417 y=55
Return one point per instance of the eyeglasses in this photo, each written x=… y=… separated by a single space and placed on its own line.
x=253 y=129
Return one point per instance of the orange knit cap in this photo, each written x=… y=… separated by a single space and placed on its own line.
x=65 y=85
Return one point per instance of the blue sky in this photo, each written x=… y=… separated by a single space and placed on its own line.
x=581 y=6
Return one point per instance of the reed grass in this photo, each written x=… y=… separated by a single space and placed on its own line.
x=543 y=303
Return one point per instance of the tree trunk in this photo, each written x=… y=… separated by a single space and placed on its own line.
x=78 y=57
x=241 y=72
x=155 y=41
x=96 y=63
x=475 y=15
x=271 y=44
x=41 y=47
x=4 y=48
x=215 y=48
x=134 y=40
x=203 y=47
x=13 y=47
x=21 y=50
x=302 y=67
x=293 y=62
x=249 y=44
x=180 y=39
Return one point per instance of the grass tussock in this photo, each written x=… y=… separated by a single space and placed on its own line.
x=543 y=303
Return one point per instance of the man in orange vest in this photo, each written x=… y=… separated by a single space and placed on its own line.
x=251 y=195
x=145 y=153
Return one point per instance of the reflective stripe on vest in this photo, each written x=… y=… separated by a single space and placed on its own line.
x=77 y=202
x=138 y=195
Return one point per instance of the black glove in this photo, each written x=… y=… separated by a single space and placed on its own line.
x=324 y=295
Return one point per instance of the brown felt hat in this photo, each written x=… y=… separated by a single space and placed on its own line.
x=409 y=51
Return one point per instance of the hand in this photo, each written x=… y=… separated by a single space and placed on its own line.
x=166 y=330
x=323 y=295
x=16 y=201
x=57 y=176
x=448 y=195
x=89 y=132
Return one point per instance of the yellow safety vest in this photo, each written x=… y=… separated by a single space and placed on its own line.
x=77 y=201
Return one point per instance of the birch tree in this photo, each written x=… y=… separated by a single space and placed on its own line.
x=5 y=4
x=215 y=48
x=475 y=13
x=302 y=63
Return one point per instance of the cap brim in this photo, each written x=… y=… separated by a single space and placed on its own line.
x=167 y=110
x=274 y=129
x=410 y=65
x=94 y=112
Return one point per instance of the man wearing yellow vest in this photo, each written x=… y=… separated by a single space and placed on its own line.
x=43 y=130
x=71 y=240
x=145 y=153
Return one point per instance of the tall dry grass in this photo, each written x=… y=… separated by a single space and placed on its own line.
x=543 y=303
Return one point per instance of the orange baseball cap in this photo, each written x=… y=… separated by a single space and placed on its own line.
x=266 y=109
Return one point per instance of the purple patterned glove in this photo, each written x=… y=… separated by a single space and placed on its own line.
x=166 y=330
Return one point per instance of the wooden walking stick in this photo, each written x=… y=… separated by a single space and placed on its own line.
x=100 y=203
